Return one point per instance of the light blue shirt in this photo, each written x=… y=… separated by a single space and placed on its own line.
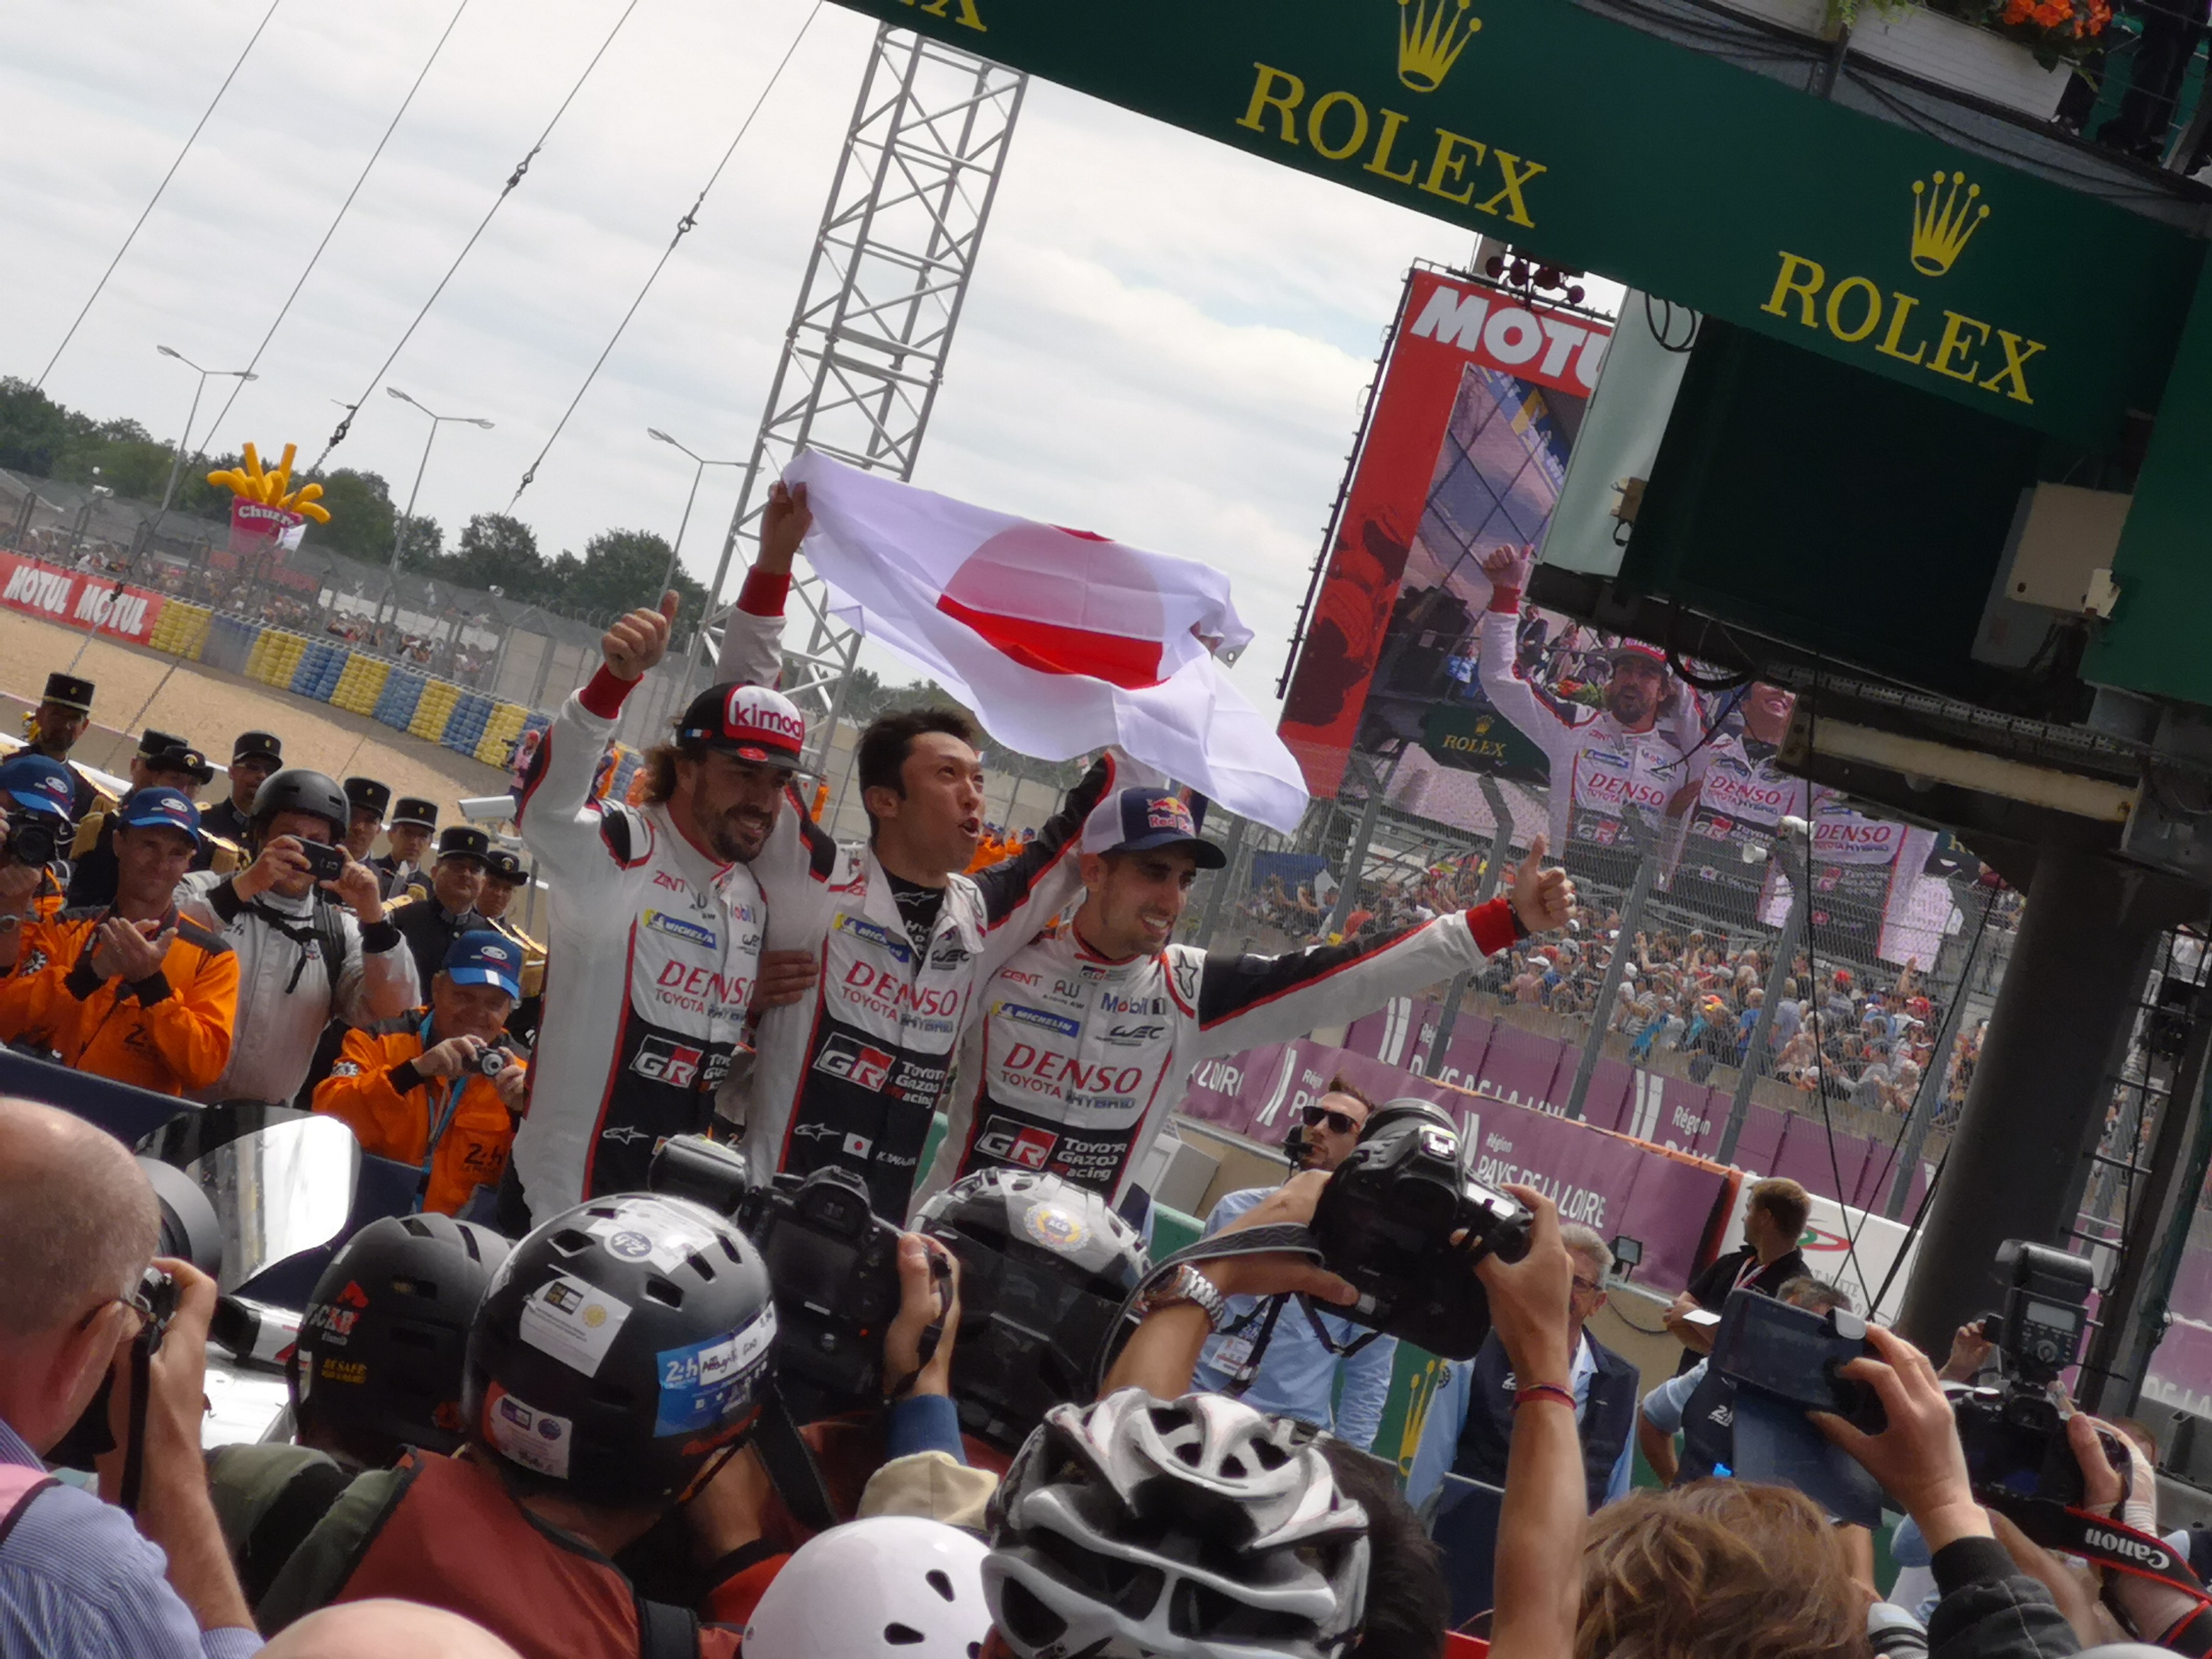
x=1663 y=1407
x=1298 y=1374
x=1440 y=1429
x=78 y=1581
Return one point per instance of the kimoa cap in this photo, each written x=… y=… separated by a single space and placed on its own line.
x=483 y=958
x=755 y=723
x=1142 y=820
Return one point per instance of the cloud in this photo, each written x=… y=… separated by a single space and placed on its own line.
x=1166 y=339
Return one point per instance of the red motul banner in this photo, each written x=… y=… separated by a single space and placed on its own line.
x=77 y=600
x=1450 y=327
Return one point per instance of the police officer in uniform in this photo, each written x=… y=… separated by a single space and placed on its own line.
x=503 y=875
x=370 y=800
x=252 y=758
x=64 y=714
x=406 y=838
x=163 y=760
x=442 y=905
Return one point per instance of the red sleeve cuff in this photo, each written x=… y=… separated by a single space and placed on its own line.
x=1505 y=599
x=603 y=695
x=762 y=595
x=1491 y=924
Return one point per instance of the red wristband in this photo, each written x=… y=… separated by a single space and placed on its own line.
x=1506 y=601
x=1544 y=1391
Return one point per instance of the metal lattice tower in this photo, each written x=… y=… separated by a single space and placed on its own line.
x=866 y=351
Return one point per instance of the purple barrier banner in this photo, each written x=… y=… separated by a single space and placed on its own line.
x=2179 y=1374
x=1603 y=1179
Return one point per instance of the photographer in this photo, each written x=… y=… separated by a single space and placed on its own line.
x=1088 y=1033
x=78 y=1228
x=302 y=958
x=423 y=1094
x=591 y=1411
x=1304 y=1362
x=441 y=906
x=163 y=762
x=34 y=796
x=133 y=991
x=1468 y=1428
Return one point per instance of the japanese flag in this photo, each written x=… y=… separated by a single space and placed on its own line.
x=1060 y=641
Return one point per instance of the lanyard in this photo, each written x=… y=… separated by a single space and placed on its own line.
x=442 y=1107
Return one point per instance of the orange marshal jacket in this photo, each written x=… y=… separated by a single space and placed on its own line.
x=170 y=1032
x=376 y=1092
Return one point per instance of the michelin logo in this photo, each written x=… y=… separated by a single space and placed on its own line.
x=1019 y=1015
x=676 y=927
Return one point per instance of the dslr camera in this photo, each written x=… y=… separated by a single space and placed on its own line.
x=1405 y=1221
x=33 y=840
x=2014 y=1434
x=835 y=1265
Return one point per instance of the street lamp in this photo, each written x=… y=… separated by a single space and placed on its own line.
x=676 y=552
x=177 y=465
x=399 y=534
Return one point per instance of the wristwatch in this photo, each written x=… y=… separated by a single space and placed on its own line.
x=1187 y=1284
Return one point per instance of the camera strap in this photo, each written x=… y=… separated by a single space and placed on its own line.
x=1246 y=1240
x=790 y=1464
x=134 y=1451
x=2104 y=1542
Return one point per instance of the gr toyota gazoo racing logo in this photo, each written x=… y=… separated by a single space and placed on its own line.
x=1024 y=1145
x=676 y=1064
x=856 y=1063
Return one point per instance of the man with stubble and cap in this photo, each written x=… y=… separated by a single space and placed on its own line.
x=413 y=821
x=63 y=716
x=164 y=761
x=252 y=758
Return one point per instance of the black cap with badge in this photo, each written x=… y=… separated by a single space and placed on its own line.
x=68 y=691
x=464 y=841
x=368 y=795
x=261 y=745
x=422 y=814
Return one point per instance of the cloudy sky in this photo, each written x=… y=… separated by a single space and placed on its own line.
x=1166 y=340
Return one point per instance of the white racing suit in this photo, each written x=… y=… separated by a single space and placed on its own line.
x=1078 y=1059
x=652 y=953
x=1598 y=766
x=1742 y=799
x=853 y=1072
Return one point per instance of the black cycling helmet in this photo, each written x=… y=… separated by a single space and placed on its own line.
x=297 y=789
x=1045 y=1266
x=624 y=1344
x=378 y=1363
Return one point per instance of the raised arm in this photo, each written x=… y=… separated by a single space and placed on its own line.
x=1509 y=694
x=752 y=634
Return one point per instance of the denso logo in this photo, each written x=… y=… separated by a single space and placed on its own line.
x=699 y=983
x=689 y=931
x=887 y=989
x=663 y=1062
x=1599 y=788
x=1029 y=1067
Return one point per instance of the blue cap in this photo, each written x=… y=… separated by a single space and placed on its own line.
x=160 y=807
x=39 y=785
x=483 y=958
x=1141 y=820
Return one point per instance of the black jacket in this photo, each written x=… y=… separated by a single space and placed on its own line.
x=1991 y=1610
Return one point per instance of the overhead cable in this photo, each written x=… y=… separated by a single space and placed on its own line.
x=514 y=180
x=98 y=286
x=682 y=228
x=284 y=310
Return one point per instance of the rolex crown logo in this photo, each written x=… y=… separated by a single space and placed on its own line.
x=1944 y=219
x=1431 y=34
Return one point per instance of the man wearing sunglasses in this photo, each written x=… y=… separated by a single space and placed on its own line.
x=1300 y=1364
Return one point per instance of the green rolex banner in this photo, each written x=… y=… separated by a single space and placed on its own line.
x=1589 y=143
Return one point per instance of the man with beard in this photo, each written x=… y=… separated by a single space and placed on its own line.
x=1640 y=750
x=1743 y=796
x=656 y=921
x=63 y=715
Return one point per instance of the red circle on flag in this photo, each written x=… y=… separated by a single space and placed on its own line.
x=1062 y=602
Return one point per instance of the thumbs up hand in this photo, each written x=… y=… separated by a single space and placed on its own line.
x=639 y=640
x=1542 y=898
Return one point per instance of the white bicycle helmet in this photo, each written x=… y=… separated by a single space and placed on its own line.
x=894 y=1585
x=1193 y=1528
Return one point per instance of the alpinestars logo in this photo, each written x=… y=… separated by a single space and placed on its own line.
x=856 y=1063
x=1024 y=1146
x=673 y=1063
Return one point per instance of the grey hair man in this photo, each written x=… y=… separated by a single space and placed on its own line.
x=78 y=1229
x=1469 y=1424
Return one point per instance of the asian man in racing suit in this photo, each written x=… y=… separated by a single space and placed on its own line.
x=656 y=922
x=1087 y=1036
x=899 y=941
